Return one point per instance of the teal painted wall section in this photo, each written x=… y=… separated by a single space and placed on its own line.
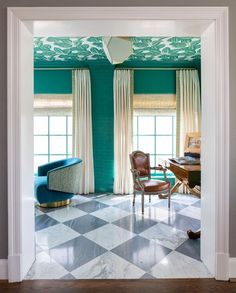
x=52 y=82
x=154 y=82
x=103 y=126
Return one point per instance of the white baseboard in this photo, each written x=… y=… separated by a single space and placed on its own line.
x=232 y=268
x=222 y=267
x=3 y=269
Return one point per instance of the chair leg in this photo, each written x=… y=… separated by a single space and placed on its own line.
x=142 y=202
x=149 y=197
x=169 y=199
x=134 y=198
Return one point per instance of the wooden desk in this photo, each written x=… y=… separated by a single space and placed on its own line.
x=189 y=175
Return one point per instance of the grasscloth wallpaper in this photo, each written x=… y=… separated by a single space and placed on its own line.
x=3 y=92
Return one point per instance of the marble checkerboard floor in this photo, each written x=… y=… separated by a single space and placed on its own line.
x=105 y=237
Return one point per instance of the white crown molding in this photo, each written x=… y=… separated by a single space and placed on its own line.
x=3 y=269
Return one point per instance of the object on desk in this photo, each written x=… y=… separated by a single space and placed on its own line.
x=192 y=143
x=141 y=171
x=186 y=160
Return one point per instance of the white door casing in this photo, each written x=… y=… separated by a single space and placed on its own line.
x=215 y=95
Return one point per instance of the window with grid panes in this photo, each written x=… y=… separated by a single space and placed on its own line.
x=156 y=135
x=52 y=139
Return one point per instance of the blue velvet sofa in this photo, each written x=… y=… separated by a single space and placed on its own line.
x=57 y=182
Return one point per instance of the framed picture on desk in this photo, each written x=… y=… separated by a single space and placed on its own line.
x=193 y=143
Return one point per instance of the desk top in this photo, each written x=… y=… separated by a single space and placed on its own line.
x=187 y=168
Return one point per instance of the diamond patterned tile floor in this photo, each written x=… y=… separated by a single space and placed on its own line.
x=105 y=237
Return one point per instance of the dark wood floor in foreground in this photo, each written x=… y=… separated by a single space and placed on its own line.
x=115 y=286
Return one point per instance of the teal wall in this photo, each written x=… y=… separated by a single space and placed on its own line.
x=154 y=81
x=145 y=81
x=52 y=81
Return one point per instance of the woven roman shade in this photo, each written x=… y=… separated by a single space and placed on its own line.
x=154 y=103
x=53 y=104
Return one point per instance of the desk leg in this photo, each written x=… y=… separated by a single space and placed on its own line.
x=176 y=186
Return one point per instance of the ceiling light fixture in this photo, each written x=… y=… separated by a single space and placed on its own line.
x=117 y=49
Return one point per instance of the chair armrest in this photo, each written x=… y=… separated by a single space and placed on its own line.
x=160 y=168
x=136 y=177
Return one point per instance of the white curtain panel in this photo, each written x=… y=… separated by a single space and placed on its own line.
x=188 y=105
x=123 y=123
x=82 y=128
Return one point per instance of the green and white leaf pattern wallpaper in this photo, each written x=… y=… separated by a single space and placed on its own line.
x=169 y=49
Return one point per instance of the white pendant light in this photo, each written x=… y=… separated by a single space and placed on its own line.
x=117 y=49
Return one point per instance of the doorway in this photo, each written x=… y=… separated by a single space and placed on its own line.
x=215 y=121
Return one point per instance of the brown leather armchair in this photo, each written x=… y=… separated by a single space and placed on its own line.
x=142 y=182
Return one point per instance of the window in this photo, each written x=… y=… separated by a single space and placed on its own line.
x=52 y=139
x=156 y=135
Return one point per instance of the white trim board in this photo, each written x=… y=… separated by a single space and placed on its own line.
x=215 y=93
x=232 y=268
x=3 y=269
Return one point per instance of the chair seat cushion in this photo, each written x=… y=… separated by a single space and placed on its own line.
x=153 y=185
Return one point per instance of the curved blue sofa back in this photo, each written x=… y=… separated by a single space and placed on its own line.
x=44 y=169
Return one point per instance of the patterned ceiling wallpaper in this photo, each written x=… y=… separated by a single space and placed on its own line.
x=167 y=49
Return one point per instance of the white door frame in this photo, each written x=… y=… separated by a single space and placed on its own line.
x=218 y=98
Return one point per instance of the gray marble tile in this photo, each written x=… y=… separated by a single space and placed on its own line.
x=108 y=266
x=91 y=206
x=175 y=206
x=147 y=276
x=183 y=223
x=109 y=236
x=44 y=221
x=190 y=248
x=135 y=223
x=176 y=265
x=141 y=252
x=165 y=235
x=76 y=252
x=85 y=223
x=197 y=204
x=68 y=277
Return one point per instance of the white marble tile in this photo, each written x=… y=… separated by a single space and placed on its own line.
x=37 y=212
x=177 y=265
x=191 y=212
x=54 y=235
x=109 y=236
x=108 y=266
x=65 y=214
x=156 y=214
x=154 y=199
x=110 y=214
x=113 y=199
x=45 y=268
x=184 y=198
x=165 y=235
x=78 y=199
